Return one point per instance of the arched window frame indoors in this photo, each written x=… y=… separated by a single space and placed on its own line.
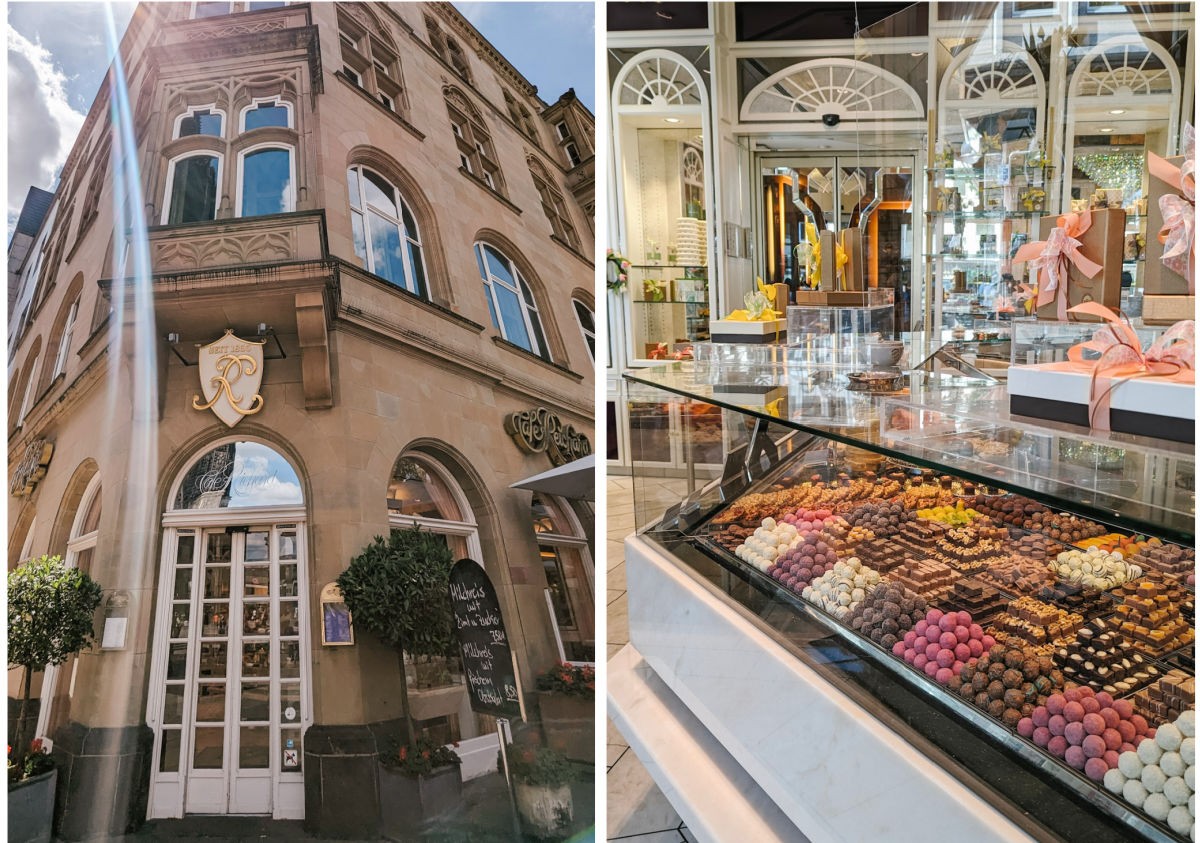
x=288 y=203
x=531 y=323
x=172 y=167
x=363 y=211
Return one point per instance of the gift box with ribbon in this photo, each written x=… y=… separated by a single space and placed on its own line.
x=1171 y=218
x=1077 y=260
x=655 y=289
x=758 y=323
x=1111 y=383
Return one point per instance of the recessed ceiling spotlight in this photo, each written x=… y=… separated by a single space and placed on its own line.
x=1106 y=130
x=916 y=55
x=671 y=119
x=1117 y=111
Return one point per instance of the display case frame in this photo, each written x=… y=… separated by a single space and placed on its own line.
x=672 y=532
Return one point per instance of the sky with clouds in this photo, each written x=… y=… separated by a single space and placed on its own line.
x=58 y=55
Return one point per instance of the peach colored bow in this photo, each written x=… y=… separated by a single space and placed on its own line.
x=1123 y=359
x=1050 y=258
x=1178 y=234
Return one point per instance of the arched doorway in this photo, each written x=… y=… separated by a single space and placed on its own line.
x=229 y=683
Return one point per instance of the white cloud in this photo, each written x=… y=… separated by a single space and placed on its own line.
x=42 y=126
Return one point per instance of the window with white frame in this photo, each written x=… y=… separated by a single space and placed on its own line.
x=385 y=234
x=560 y=128
x=510 y=301
x=209 y=10
x=587 y=325
x=371 y=64
x=266 y=185
x=262 y=113
x=64 y=342
x=27 y=399
x=200 y=120
x=573 y=156
x=566 y=563
x=475 y=151
x=192 y=182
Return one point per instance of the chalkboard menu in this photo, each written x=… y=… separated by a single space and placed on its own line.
x=486 y=655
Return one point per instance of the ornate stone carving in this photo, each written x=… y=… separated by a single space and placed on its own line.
x=236 y=29
x=31 y=468
x=541 y=430
x=231 y=249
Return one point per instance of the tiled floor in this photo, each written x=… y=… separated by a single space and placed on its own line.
x=637 y=810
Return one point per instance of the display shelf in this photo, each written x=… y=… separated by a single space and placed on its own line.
x=943 y=440
x=984 y=216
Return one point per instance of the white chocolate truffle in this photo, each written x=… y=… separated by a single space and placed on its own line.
x=1157 y=806
x=1135 y=793
x=1187 y=723
x=1149 y=751
x=1189 y=776
x=1130 y=765
x=1176 y=791
x=1114 y=781
x=1179 y=819
x=1187 y=750
x=1153 y=778
x=1168 y=736
x=1172 y=764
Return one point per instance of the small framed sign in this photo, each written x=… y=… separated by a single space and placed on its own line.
x=337 y=627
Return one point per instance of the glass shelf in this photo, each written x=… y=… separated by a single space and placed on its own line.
x=1135 y=509
x=984 y=216
x=700 y=267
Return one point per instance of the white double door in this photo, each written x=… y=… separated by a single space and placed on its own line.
x=233 y=673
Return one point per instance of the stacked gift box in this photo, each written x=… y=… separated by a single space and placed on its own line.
x=691 y=242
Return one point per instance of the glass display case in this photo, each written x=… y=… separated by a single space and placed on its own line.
x=838 y=528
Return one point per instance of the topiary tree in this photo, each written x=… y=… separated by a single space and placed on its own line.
x=398 y=589
x=50 y=610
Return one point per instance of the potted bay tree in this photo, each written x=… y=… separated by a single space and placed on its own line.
x=398 y=589
x=51 y=609
x=542 y=777
x=567 y=702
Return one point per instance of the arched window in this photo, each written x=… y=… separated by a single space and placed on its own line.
x=566 y=564
x=270 y=111
x=200 y=120
x=267 y=183
x=475 y=151
x=385 y=234
x=64 y=341
x=30 y=378
x=192 y=189
x=422 y=493
x=238 y=474
x=510 y=301
x=457 y=58
x=553 y=205
x=587 y=325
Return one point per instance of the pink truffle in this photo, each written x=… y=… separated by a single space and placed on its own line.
x=934 y=616
x=957 y=667
x=1025 y=728
x=962 y=652
x=1074 y=733
x=1071 y=695
x=931 y=652
x=909 y=638
x=1128 y=747
x=1042 y=736
x=1123 y=708
x=919 y=661
x=1057 y=724
x=898 y=649
x=1074 y=757
x=920 y=626
x=1093 y=723
x=1057 y=745
x=962 y=633
x=1086 y=691
x=1095 y=768
x=1093 y=746
x=947 y=639
x=1126 y=730
x=910 y=657
x=1073 y=711
x=945 y=659
x=1139 y=723
x=976 y=647
x=1055 y=703
x=1090 y=706
x=976 y=632
x=988 y=642
x=1112 y=739
x=1111 y=718
x=1105 y=699
x=1041 y=717
x=931 y=669
x=943 y=675
x=1111 y=757
x=921 y=643
x=946 y=622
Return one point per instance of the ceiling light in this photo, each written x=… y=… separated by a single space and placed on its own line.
x=671 y=119
x=1117 y=111
x=916 y=55
x=1106 y=130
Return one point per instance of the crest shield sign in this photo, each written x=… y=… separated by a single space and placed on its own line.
x=230 y=375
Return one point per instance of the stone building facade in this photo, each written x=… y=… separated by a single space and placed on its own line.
x=369 y=208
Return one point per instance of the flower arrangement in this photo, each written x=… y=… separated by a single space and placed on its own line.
x=618 y=271
x=570 y=680
x=29 y=764
x=421 y=757
x=540 y=766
